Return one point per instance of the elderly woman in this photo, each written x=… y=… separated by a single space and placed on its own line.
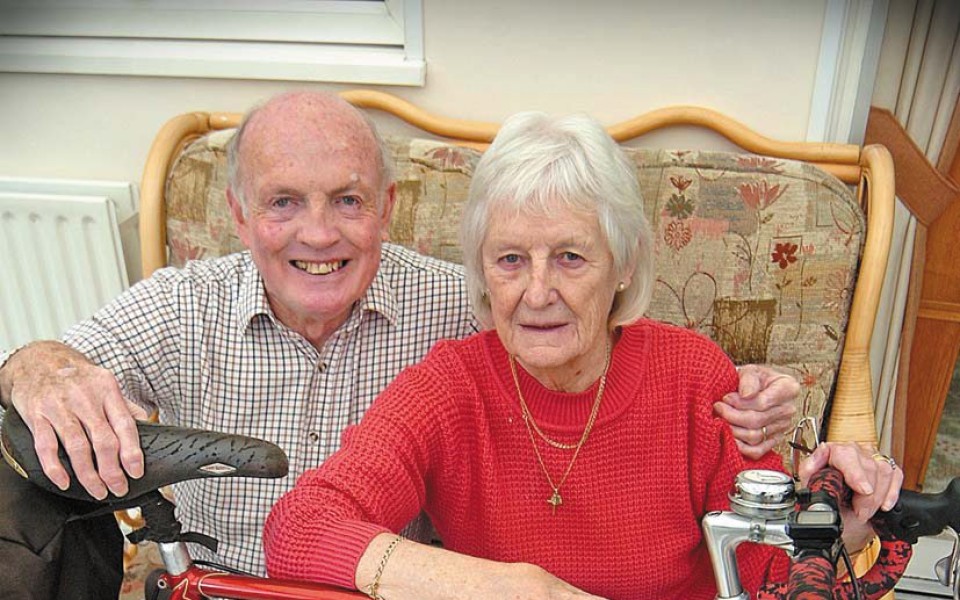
x=571 y=451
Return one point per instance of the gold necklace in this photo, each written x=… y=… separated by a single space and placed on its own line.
x=555 y=499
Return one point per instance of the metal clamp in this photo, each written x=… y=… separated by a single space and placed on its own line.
x=806 y=428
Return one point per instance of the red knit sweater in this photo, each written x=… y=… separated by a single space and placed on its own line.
x=447 y=436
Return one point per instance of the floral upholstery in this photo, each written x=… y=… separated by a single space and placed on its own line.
x=199 y=224
x=759 y=254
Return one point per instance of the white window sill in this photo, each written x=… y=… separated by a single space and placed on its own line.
x=211 y=59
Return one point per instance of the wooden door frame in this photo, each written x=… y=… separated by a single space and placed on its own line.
x=930 y=340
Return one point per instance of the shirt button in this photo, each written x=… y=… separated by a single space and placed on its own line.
x=322 y=367
x=314 y=436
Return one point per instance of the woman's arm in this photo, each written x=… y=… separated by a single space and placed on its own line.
x=716 y=459
x=416 y=571
x=336 y=526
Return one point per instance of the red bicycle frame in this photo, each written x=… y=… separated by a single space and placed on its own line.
x=197 y=583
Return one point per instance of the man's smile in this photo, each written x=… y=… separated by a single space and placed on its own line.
x=318 y=268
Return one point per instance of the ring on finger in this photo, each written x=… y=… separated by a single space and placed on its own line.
x=886 y=459
x=763 y=434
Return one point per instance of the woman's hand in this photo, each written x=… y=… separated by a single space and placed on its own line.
x=531 y=581
x=875 y=482
x=761 y=410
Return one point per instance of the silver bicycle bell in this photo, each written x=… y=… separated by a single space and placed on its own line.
x=762 y=493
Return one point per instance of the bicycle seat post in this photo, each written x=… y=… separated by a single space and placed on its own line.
x=761 y=502
x=162 y=527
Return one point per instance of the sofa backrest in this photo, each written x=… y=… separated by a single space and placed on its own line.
x=759 y=254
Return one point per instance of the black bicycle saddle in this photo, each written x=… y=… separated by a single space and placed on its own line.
x=171 y=454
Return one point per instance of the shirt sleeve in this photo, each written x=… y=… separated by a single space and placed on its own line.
x=136 y=337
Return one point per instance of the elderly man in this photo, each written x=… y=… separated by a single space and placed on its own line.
x=290 y=341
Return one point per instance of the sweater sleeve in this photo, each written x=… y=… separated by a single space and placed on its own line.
x=375 y=483
x=716 y=461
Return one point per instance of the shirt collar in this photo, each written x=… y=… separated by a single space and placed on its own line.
x=252 y=300
x=381 y=297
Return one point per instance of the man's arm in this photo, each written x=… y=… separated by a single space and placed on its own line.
x=62 y=396
x=761 y=410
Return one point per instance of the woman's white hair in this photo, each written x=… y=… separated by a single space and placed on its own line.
x=538 y=164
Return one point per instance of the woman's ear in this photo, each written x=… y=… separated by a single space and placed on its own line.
x=626 y=275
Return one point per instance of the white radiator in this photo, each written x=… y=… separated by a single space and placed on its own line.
x=62 y=253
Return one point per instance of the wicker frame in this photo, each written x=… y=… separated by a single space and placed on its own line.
x=870 y=168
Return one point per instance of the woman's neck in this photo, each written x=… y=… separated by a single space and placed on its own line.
x=574 y=376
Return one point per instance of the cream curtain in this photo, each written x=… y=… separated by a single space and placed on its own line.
x=918 y=80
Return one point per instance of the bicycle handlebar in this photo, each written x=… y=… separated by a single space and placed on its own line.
x=765 y=509
x=818 y=571
x=175 y=454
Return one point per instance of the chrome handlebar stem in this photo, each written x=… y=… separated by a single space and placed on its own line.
x=724 y=531
x=761 y=503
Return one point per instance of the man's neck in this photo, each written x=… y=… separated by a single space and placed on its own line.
x=318 y=332
x=315 y=330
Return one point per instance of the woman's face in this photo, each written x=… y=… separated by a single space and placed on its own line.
x=551 y=282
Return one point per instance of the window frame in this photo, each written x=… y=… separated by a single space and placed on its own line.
x=348 y=41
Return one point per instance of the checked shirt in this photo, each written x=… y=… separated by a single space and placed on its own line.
x=202 y=346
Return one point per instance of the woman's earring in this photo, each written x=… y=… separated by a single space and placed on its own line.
x=621 y=286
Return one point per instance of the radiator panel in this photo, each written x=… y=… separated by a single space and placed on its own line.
x=61 y=258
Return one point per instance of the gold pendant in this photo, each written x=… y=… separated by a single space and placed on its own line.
x=555 y=500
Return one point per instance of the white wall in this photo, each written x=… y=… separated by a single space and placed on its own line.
x=754 y=60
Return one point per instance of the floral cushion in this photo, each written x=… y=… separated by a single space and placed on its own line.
x=760 y=254
x=199 y=224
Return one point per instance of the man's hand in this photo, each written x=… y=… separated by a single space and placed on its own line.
x=761 y=410
x=64 y=398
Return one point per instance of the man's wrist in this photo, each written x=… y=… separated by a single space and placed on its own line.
x=5 y=385
x=36 y=355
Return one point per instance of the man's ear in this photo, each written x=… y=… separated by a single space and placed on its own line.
x=239 y=218
x=389 y=199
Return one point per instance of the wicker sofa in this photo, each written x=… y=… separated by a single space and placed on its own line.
x=769 y=251
x=777 y=252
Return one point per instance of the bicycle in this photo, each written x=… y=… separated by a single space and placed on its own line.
x=765 y=509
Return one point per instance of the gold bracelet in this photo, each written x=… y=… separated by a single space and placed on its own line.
x=373 y=590
x=853 y=556
x=868 y=546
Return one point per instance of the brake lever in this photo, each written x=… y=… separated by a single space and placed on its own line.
x=919 y=515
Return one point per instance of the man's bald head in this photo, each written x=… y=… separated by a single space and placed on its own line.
x=305 y=117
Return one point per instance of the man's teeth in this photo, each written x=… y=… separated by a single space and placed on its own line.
x=319 y=268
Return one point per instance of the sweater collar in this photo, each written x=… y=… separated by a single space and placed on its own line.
x=564 y=412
